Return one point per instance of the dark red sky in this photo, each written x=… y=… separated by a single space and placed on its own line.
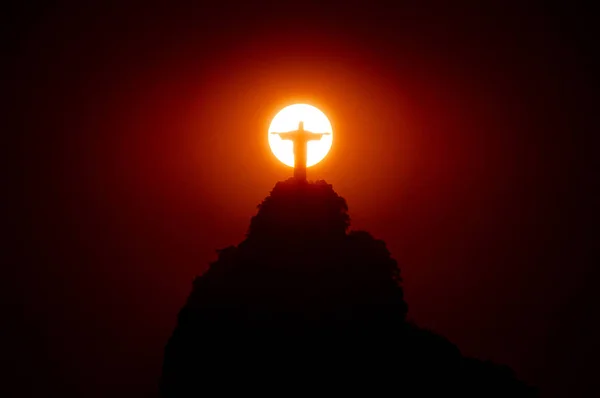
x=138 y=145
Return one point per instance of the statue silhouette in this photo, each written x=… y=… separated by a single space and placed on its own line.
x=300 y=138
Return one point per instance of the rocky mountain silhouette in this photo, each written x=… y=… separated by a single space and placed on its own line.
x=304 y=305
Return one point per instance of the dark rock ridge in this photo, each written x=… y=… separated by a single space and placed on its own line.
x=305 y=305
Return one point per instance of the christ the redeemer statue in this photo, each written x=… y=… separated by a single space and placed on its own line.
x=300 y=139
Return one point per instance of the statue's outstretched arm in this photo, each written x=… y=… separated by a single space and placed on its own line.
x=317 y=136
x=287 y=136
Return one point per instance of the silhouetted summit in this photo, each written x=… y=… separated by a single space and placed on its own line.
x=299 y=209
x=304 y=304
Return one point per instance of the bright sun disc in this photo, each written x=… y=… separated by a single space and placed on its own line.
x=314 y=120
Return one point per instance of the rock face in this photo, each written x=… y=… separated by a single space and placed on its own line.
x=302 y=304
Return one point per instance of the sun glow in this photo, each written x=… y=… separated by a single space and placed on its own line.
x=314 y=120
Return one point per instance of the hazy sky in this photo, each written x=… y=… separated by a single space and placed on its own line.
x=138 y=137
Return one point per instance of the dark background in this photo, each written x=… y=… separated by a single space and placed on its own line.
x=135 y=140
